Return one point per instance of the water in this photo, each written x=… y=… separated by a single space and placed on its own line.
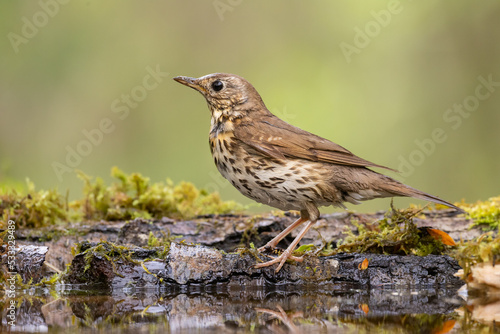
x=341 y=309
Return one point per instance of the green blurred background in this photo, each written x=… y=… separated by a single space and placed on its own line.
x=376 y=77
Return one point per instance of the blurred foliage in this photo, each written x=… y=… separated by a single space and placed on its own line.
x=485 y=213
x=134 y=197
x=87 y=58
x=131 y=196
x=32 y=209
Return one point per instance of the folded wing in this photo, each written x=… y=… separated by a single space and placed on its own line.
x=275 y=138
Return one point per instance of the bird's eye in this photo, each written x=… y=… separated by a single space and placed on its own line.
x=217 y=85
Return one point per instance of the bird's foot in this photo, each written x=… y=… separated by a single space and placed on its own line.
x=281 y=259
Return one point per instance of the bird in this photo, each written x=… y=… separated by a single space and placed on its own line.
x=280 y=165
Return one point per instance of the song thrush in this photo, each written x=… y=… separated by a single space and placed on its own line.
x=275 y=163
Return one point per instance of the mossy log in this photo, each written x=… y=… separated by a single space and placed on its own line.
x=220 y=234
x=188 y=266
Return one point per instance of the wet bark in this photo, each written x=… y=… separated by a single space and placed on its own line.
x=27 y=262
x=206 y=264
x=195 y=266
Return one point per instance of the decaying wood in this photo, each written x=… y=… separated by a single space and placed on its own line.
x=194 y=265
x=227 y=233
x=28 y=261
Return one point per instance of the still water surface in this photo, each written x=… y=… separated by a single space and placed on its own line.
x=342 y=309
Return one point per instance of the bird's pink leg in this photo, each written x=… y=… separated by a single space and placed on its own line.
x=287 y=254
x=274 y=242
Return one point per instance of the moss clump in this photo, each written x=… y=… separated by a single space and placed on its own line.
x=161 y=244
x=395 y=234
x=133 y=197
x=130 y=196
x=483 y=249
x=103 y=249
x=116 y=255
x=485 y=214
x=113 y=252
x=251 y=250
x=33 y=209
x=250 y=233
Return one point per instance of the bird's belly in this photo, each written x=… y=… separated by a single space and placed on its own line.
x=284 y=185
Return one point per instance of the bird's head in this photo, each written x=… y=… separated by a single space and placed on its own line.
x=227 y=95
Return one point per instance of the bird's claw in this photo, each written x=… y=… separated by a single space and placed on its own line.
x=281 y=259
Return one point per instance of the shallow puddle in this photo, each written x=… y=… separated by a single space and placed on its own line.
x=343 y=309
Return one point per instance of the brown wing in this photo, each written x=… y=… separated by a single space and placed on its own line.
x=275 y=138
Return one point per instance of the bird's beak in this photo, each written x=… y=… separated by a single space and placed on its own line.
x=190 y=82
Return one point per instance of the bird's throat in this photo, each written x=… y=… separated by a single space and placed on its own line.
x=221 y=126
x=221 y=122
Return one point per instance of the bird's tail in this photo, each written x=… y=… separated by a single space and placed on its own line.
x=400 y=189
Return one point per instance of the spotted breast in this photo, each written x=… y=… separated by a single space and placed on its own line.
x=286 y=185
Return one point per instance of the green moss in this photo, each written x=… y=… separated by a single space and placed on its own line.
x=485 y=214
x=485 y=248
x=134 y=197
x=153 y=241
x=251 y=251
x=395 y=234
x=32 y=208
x=53 y=233
x=251 y=232
x=103 y=249
x=161 y=244
x=113 y=253
x=130 y=196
